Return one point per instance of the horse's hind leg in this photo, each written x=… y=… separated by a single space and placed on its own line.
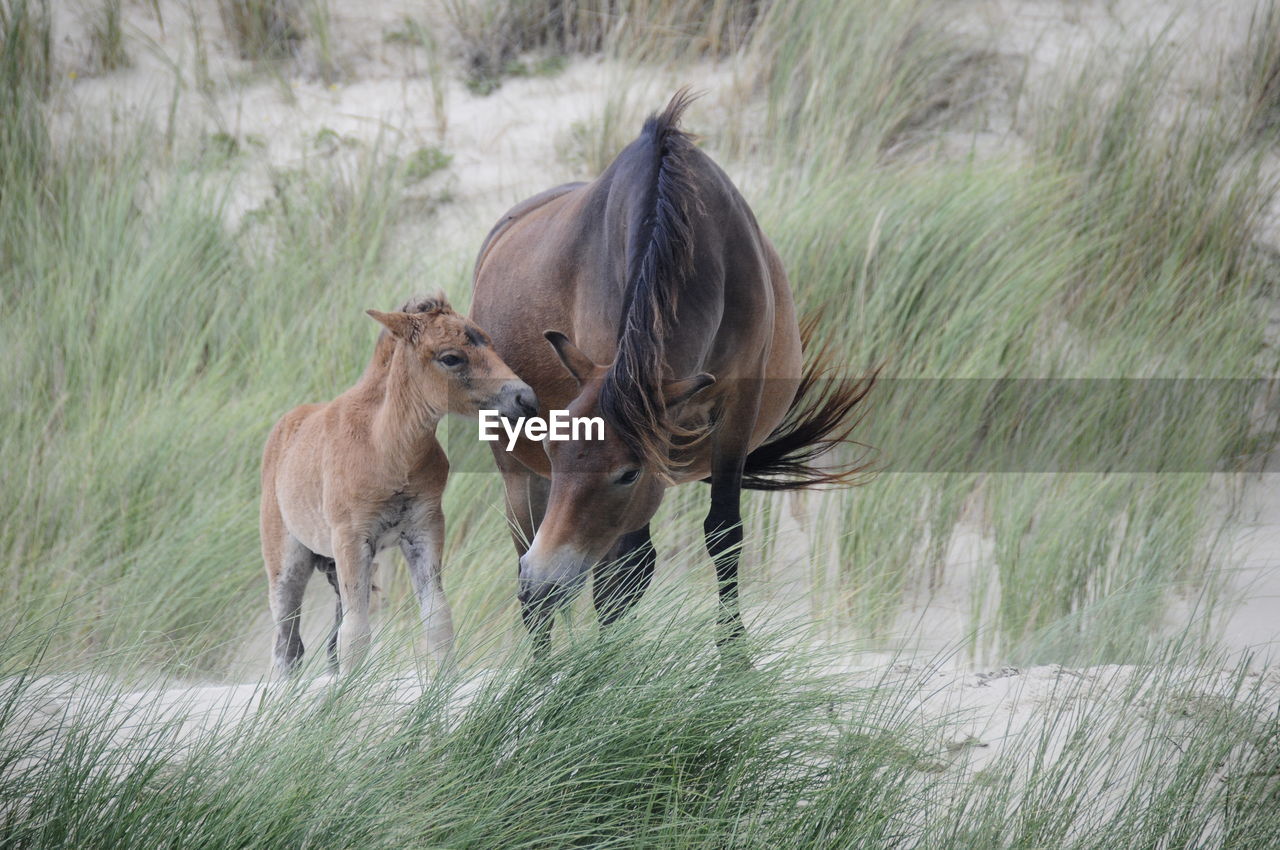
x=287 y=587
x=330 y=569
x=723 y=525
x=723 y=531
x=624 y=575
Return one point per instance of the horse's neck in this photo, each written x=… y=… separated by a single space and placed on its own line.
x=404 y=421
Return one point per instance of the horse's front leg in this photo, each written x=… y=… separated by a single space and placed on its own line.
x=353 y=555
x=623 y=576
x=526 y=503
x=422 y=550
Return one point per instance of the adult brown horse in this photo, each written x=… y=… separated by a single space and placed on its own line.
x=670 y=310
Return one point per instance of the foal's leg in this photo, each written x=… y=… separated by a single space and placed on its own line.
x=287 y=586
x=353 y=555
x=422 y=549
x=330 y=570
x=623 y=576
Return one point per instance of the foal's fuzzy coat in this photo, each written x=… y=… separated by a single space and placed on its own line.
x=345 y=480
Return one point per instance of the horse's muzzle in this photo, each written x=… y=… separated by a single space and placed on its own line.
x=548 y=592
x=538 y=593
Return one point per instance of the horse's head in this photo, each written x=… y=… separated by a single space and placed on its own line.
x=451 y=361
x=600 y=488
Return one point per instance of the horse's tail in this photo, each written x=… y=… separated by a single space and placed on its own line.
x=822 y=417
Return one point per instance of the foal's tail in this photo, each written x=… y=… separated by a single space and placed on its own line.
x=822 y=417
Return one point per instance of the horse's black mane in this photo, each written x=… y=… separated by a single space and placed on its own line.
x=631 y=397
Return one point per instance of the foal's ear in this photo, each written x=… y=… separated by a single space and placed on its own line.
x=579 y=365
x=686 y=388
x=401 y=325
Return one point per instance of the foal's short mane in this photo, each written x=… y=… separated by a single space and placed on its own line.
x=435 y=303
x=631 y=398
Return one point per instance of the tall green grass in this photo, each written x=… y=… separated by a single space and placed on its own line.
x=263 y=29
x=149 y=345
x=1120 y=245
x=150 y=340
x=106 y=36
x=492 y=36
x=641 y=739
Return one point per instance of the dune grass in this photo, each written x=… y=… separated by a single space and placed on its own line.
x=493 y=37
x=997 y=296
x=1024 y=313
x=263 y=29
x=641 y=739
x=149 y=347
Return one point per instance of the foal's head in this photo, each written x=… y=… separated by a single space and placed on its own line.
x=600 y=489
x=451 y=362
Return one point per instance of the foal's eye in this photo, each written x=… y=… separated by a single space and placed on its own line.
x=450 y=361
x=628 y=477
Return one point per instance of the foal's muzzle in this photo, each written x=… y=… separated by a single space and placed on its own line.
x=516 y=400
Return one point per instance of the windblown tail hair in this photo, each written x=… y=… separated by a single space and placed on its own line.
x=823 y=416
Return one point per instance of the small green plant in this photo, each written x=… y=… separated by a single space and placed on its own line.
x=409 y=32
x=263 y=29
x=589 y=146
x=320 y=29
x=106 y=37
x=546 y=66
x=424 y=162
x=220 y=148
x=329 y=141
x=26 y=73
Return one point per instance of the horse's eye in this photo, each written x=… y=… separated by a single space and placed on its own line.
x=628 y=477
x=450 y=361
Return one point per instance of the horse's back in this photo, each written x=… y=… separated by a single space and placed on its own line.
x=518 y=212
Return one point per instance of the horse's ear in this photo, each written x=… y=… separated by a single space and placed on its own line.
x=401 y=325
x=579 y=365
x=682 y=390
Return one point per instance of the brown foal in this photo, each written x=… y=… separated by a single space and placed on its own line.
x=345 y=480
